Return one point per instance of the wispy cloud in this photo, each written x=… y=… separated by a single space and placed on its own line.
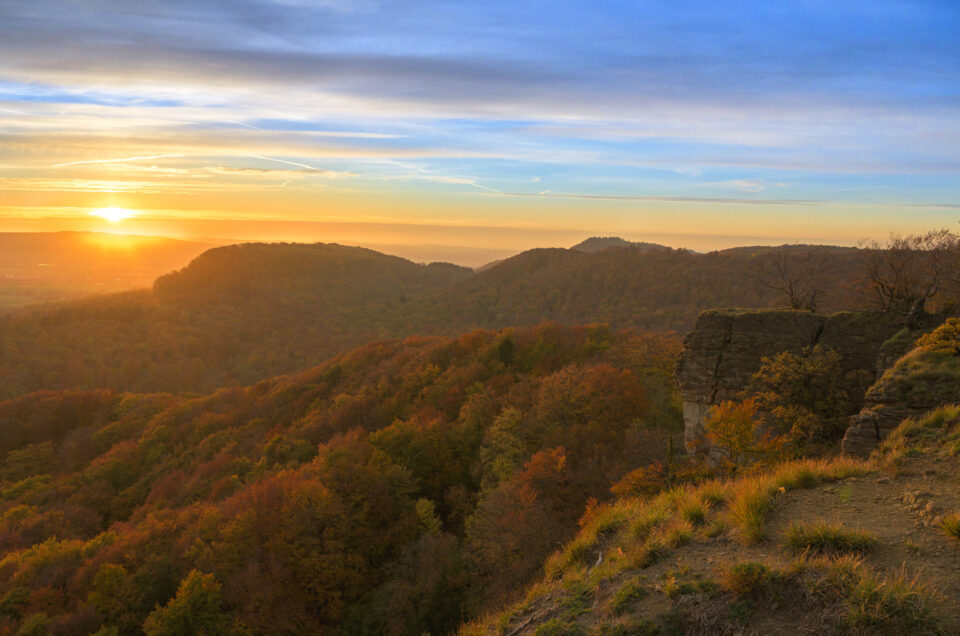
x=662 y=199
x=749 y=186
x=845 y=102
x=282 y=173
x=120 y=160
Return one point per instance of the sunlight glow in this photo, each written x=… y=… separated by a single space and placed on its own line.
x=114 y=215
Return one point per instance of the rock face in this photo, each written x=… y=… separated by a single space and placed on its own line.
x=726 y=348
x=918 y=382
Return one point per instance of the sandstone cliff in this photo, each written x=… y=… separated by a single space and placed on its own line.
x=726 y=347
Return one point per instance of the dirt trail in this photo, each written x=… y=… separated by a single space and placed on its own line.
x=902 y=511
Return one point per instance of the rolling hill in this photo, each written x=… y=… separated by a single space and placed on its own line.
x=238 y=314
x=598 y=243
x=235 y=315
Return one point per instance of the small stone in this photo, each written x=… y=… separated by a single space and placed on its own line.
x=932 y=508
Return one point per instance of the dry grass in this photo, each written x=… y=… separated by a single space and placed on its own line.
x=749 y=505
x=951 y=525
x=932 y=429
x=636 y=533
x=630 y=592
x=749 y=578
x=825 y=538
x=900 y=605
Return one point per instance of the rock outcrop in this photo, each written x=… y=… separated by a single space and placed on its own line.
x=922 y=380
x=726 y=347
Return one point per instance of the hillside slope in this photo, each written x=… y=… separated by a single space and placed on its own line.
x=240 y=314
x=235 y=315
x=394 y=489
x=658 y=289
x=810 y=547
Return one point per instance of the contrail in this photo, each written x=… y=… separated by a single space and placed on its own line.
x=240 y=123
x=290 y=163
x=123 y=160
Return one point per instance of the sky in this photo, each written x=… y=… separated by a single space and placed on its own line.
x=492 y=125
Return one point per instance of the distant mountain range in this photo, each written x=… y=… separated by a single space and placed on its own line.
x=241 y=313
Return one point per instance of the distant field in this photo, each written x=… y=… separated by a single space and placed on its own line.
x=58 y=266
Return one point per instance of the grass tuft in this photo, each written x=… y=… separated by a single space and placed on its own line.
x=748 y=510
x=651 y=516
x=649 y=553
x=951 y=525
x=793 y=476
x=825 y=538
x=749 y=578
x=715 y=529
x=679 y=534
x=896 y=606
x=694 y=512
x=631 y=591
x=713 y=493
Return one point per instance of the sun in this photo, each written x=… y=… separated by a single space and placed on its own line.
x=114 y=215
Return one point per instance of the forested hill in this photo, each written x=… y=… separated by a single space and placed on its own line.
x=597 y=243
x=235 y=315
x=293 y=272
x=657 y=289
x=397 y=489
x=242 y=313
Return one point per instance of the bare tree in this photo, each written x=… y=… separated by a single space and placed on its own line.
x=906 y=272
x=796 y=274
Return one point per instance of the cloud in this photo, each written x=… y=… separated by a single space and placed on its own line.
x=281 y=173
x=615 y=101
x=749 y=186
x=121 y=160
x=664 y=199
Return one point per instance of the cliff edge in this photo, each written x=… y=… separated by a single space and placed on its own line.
x=726 y=347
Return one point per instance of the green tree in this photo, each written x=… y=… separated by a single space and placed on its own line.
x=195 y=610
x=113 y=597
x=803 y=394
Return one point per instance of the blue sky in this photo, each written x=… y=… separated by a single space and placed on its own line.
x=752 y=118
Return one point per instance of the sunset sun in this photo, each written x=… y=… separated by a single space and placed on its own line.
x=113 y=215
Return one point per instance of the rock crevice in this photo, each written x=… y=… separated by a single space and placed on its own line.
x=726 y=347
